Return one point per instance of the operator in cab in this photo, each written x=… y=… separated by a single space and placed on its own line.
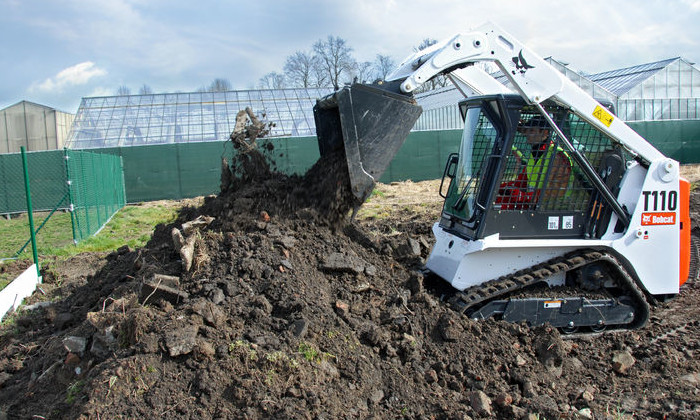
x=536 y=180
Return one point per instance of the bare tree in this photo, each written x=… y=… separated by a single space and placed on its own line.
x=300 y=69
x=383 y=65
x=219 y=85
x=123 y=90
x=320 y=74
x=145 y=90
x=335 y=57
x=427 y=42
x=272 y=80
x=362 y=72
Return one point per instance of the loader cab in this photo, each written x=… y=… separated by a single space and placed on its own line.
x=513 y=176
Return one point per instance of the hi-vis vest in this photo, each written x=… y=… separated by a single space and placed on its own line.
x=536 y=169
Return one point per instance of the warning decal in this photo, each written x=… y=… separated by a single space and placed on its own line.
x=603 y=116
x=552 y=304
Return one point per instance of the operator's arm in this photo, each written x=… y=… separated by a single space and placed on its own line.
x=560 y=176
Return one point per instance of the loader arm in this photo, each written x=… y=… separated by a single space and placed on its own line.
x=532 y=77
x=370 y=122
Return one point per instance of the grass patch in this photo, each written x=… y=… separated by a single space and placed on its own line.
x=377 y=193
x=5 y=279
x=74 y=390
x=56 y=233
x=309 y=352
x=132 y=225
x=312 y=354
x=245 y=347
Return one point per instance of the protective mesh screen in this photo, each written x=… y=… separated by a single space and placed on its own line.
x=540 y=173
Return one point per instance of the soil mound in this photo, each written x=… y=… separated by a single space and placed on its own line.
x=249 y=185
x=322 y=194
x=266 y=302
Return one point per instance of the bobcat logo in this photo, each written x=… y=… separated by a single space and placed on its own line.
x=521 y=64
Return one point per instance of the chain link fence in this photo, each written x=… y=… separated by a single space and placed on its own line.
x=47 y=181
x=96 y=190
x=88 y=185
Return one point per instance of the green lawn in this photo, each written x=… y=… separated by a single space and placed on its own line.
x=56 y=233
x=132 y=225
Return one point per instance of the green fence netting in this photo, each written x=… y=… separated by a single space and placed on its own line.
x=423 y=156
x=184 y=170
x=47 y=181
x=679 y=140
x=93 y=194
x=97 y=192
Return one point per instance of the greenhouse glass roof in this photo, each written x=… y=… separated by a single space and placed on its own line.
x=620 y=81
x=439 y=98
x=133 y=120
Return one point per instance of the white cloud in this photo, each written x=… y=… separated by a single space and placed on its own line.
x=693 y=4
x=594 y=35
x=78 y=74
x=181 y=45
x=101 y=91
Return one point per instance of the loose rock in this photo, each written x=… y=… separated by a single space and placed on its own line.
x=480 y=402
x=181 y=341
x=75 y=344
x=338 y=262
x=622 y=361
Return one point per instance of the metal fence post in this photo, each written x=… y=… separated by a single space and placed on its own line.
x=69 y=185
x=30 y=212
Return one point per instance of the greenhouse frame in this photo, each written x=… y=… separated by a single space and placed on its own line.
x=663 y=90
x=134 y=120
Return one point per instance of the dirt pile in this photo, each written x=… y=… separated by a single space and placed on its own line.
x=250 y=185
x=286 y=312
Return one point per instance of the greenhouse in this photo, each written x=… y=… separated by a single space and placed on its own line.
x=34 y=126
x=663 y=90
x=134 y=120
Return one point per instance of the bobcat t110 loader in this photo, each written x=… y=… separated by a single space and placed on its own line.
x=586 y=206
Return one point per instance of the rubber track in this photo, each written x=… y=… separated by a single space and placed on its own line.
x=472 y=298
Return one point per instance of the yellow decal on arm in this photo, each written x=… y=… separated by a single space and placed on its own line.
x=604 y=116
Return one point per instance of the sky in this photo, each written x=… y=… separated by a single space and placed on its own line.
x=57 y=52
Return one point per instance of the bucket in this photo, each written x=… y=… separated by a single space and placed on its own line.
x=371 y=124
